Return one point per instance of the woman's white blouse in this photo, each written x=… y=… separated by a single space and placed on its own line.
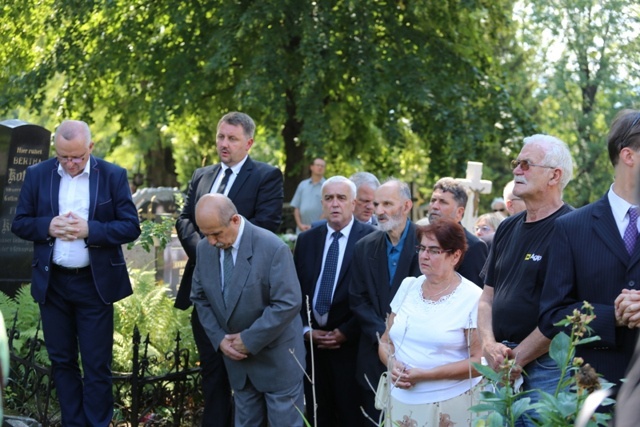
x=427 y=334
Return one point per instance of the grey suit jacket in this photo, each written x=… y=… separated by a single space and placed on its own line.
x=263 y=305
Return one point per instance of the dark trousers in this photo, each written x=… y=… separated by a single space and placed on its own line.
x=337 y=393
x=215 y=383
x=368 y=404
x=73 y=317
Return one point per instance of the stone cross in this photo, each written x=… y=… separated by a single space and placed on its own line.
x=474 y=186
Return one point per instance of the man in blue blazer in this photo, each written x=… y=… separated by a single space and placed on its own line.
x=333 y=330
x=247 y=296
x=589 y=261
x=256 y=190
x=77 y=211
x=381 y=261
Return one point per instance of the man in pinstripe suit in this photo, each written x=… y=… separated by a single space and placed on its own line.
x=594 y=258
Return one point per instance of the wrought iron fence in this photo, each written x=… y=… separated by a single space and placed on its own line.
x=141 y=398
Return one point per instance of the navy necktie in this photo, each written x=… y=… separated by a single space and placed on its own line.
x=323 y=301
x=631 y=232
x=225 y=180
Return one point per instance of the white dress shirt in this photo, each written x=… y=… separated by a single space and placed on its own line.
x=223 y=168
x=620 y=210
x=342 y=246
x=73 y=196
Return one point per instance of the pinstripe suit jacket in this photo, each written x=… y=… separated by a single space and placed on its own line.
x=589 y=262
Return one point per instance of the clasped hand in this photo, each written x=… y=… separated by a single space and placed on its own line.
x=328 y=340
x=68 y=227
x=627 y=306
x=402 y=375
x=233 y=347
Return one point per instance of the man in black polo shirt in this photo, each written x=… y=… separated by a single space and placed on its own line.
x=515 y=270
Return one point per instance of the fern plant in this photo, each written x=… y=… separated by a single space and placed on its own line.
x=150 y=308
x=24 y=311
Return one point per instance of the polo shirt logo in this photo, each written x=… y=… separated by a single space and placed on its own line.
x=533 y=257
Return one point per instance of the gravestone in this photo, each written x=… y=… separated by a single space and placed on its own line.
x=21 y=145
x=474 y=186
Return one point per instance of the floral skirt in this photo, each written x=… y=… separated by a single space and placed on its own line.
x=448 y=413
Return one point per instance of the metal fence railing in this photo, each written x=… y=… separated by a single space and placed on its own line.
x=141 y=399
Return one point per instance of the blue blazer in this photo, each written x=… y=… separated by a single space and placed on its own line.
x=113 y=221
x=589 y=262
x=257 y=193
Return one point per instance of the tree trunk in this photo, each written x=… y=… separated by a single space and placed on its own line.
x=294 y=149
x=160 y=166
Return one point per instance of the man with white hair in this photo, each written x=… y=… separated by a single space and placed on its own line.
x=366 y=186
x=514 y=204
x=515 y=272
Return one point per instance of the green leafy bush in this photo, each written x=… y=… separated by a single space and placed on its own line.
x=503 y=406
x=150 y=308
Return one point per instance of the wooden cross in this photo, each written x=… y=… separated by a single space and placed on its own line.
x=474 y=186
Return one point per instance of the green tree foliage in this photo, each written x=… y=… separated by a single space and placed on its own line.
x=585 y=72
x=406 y=88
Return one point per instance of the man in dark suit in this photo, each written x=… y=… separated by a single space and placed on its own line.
x=366 y=186
x=247 y=296
x=77 y=211
x=381 y=261
x=448 y=200
x=593 y=257
x=256 y=190
x=323 y=264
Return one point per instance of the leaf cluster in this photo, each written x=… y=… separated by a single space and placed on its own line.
x=150 y=309
x=502 y=405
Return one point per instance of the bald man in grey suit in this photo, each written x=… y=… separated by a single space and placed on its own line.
x=252 y=315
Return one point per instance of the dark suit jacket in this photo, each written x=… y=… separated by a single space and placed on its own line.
x=308 y=259
x=263 y=305
x=588 y=262
x=257 y=193
x=474 y=259
x=370 y=294
x=113 y=221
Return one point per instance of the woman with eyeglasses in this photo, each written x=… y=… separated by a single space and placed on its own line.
x=431 y=339
x=486 y=226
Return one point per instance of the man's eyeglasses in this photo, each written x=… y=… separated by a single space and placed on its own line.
x=76 y=160
x=431 y=250
x=526 y=164
x=500 y=210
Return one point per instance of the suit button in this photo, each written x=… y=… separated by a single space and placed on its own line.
x=46 y=268
x=632 y=283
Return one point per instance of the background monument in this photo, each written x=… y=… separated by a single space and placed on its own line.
x=21 y=145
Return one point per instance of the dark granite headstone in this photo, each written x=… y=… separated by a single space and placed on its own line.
x=21 y=145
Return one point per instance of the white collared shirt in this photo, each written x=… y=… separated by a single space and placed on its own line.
x=234 y=251
x=73 y=196
x=620 y=210
x=342 y=246
x=223 y=168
